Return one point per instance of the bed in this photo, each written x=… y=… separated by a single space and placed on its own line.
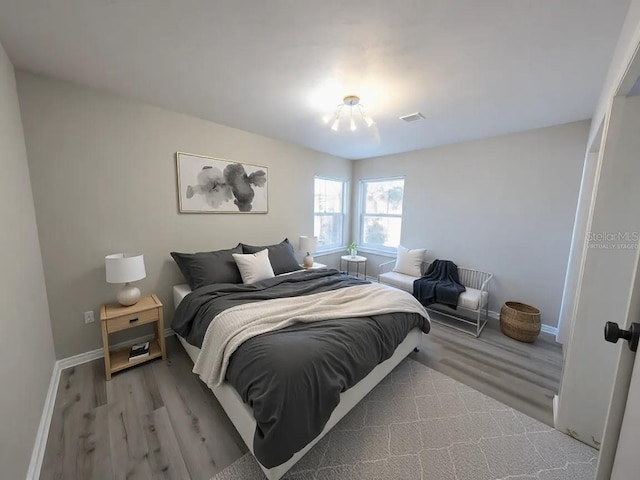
x=242 y=384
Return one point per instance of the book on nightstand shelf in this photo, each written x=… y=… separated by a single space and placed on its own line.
x=139 y=350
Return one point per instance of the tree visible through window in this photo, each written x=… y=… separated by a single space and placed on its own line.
x=329 y=201
x=381 y=213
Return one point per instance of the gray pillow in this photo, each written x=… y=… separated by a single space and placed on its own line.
x=205 y=268
x=281 y=256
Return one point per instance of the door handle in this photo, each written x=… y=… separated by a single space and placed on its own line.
x=613 y=333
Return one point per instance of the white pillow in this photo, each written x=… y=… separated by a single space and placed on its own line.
x=409 y=261
x=254 y=266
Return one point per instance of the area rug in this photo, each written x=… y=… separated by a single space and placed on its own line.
x=420 y=424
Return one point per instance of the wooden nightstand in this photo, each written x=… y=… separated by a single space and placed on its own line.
x=115 y=317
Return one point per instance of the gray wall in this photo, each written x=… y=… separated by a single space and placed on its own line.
x=504 y=205
x=26 y=345
x=104 y=180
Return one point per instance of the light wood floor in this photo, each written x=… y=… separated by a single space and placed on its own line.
x=524 y=376
x=159 y=421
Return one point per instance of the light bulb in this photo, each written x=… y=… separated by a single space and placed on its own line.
x=336 y=122
x=353 y=125
x=365 y=117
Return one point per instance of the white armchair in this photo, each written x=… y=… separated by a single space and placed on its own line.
x=475 y=299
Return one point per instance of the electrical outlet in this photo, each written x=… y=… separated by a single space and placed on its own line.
x=88 y=317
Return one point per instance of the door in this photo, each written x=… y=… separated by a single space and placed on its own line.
x=627 y=461
x=599 y=395
x=590 y=372
x=578 y=246
x=622 y=424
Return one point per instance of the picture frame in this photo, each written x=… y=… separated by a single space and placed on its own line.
x=216 y=185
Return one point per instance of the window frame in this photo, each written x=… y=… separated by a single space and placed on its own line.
x=340 y=245
x=375 y=248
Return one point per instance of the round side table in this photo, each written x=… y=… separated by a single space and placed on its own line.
x=358 y=259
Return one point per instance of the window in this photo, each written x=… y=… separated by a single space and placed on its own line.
x=329 y=212
x=381 y=213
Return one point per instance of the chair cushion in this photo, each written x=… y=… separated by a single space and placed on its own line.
x=471 y=298
x=398 y=280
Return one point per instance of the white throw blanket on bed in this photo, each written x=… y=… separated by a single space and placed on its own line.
x=238 y=324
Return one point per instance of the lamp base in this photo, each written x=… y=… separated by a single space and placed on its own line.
x=307 y=261
x=128 y=295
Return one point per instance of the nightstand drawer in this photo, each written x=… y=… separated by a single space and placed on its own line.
x=132 y=320
x=116 y=318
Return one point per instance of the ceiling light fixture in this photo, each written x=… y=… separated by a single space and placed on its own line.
x=353 y=103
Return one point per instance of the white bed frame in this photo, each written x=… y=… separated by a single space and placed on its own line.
x=242 y=416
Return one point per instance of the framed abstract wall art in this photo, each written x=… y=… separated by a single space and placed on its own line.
x=215 y=185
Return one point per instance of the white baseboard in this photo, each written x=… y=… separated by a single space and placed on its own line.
x=549 y=329
x=37 y=455
x=555 y=410
x=99 y=352
x=40 y=444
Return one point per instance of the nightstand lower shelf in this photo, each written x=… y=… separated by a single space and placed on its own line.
x=116 y=318
x=120 y=358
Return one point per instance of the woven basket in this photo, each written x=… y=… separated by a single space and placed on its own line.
x=520 y=321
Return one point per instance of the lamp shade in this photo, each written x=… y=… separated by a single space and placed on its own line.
x=308 y=244
x=124 y=267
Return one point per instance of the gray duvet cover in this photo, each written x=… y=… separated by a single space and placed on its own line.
x=292 y=378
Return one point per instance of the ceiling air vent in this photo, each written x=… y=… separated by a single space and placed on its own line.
x=412 y=117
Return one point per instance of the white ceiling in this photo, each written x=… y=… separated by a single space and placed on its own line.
x=474 y=68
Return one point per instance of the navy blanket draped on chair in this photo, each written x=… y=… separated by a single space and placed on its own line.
x=440 y=284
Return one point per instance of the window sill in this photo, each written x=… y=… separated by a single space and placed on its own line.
x=320 y=253
x=382 y=253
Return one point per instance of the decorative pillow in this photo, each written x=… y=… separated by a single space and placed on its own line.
x=281 y=256
x=409 y=262
x=205 y=268
x=254 y=266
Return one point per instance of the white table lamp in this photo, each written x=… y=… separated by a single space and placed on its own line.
x=309 y=245
x=125 y=268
